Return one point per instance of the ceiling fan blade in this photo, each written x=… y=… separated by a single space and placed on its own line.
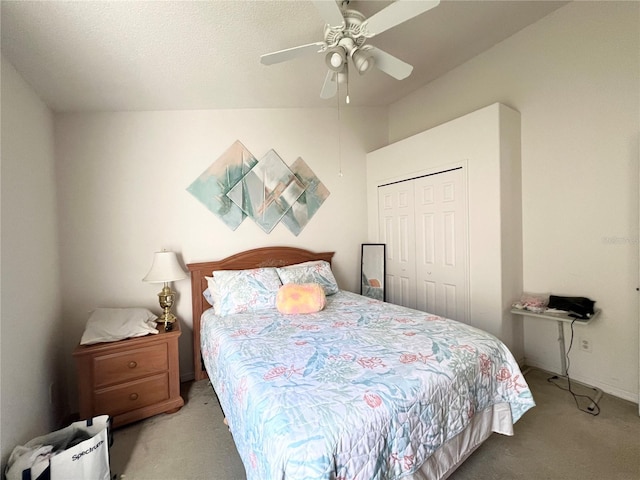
x=330 y=86
x=290 y=53
x=330 y=12
x=396 y=13
x=391 y=65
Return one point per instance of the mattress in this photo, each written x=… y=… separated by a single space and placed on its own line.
x=363 y=389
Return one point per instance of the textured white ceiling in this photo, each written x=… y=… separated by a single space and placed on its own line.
x=162 y=55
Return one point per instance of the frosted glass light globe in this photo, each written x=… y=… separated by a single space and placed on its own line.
x=336 y=60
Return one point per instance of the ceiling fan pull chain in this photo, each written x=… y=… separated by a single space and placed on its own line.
x=347 y=83
x=339 y=133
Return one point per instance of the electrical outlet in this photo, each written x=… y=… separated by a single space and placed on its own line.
x=585 y=345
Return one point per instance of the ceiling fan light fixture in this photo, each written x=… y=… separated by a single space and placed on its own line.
x=335 y=59
x=363 y=60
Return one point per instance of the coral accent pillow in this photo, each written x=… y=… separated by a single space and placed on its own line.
x=294 y=298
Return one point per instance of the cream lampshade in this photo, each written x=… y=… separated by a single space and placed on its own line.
x=165 y=269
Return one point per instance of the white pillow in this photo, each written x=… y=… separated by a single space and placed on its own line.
x=241 y=291
x=315 y=271
x=208 y=296
x=111 y=324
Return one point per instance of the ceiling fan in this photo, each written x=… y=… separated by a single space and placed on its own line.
x=345 y=34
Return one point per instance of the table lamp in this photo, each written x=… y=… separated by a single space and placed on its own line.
x=164 y=269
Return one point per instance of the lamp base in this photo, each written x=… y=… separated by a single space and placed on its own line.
x=167 y=318
x=166 y=298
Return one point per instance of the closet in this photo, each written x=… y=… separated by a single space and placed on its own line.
x=485 y=144
x=423 y=221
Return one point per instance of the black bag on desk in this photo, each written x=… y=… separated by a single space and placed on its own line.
x=580 y=306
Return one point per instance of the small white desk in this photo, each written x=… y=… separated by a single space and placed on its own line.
x=563 y=318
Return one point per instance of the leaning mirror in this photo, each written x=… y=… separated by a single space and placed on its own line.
x=373 y=270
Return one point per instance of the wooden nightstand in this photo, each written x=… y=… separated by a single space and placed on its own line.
x=130 y=379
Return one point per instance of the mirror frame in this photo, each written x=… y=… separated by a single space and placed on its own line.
x=384 y=269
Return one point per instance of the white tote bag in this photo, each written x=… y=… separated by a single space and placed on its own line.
x=77 y=452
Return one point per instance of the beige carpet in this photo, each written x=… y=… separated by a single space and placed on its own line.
x=552 y=441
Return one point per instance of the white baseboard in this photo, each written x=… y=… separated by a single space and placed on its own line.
x=592 y=382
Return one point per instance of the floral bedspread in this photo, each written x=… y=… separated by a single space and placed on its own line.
x=361 y=390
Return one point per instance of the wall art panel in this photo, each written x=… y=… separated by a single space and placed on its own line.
x=212 y=186
x=315 y=193
x=237 y=185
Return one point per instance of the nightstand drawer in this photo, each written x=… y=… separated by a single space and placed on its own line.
x=125 y=366
x=133 y=395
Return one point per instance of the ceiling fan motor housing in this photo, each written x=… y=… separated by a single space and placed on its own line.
x=352 y=29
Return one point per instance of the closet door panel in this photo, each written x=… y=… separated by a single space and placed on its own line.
x=441 y=239
x=426 y=295
x=397 y=230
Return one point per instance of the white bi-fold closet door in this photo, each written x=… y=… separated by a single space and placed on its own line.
x=423 y=221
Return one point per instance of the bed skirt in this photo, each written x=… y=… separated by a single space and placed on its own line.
x=447 y=458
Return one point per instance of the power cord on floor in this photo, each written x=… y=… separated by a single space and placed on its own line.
x=594 y=408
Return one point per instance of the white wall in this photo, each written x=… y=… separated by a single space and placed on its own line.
x=31 y=322
x=574 y=76
x=122 y=179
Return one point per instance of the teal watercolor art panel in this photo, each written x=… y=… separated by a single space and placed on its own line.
x=314 y=195
x=267 y=191
x=212 y=186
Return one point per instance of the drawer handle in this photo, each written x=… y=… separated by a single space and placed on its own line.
x=133 y=396
x=133 y=364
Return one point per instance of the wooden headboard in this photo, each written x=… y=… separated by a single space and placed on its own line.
x=256 y=258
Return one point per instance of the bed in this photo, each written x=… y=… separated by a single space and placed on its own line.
x=359 y=390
